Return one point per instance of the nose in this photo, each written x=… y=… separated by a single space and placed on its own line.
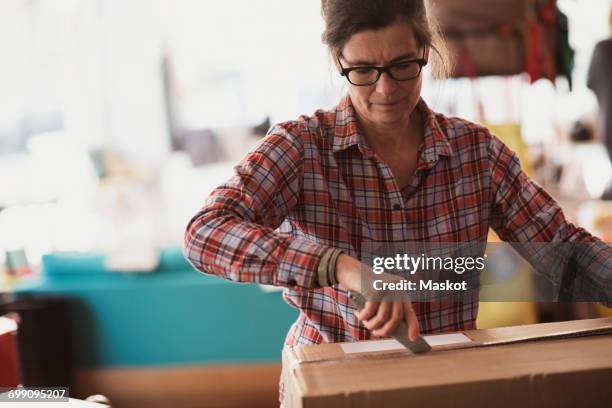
x=385 y=85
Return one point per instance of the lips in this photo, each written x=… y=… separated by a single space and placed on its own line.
x=388 y=105
x=392 y=103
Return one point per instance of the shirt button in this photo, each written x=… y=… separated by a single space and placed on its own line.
x=397 y=206
x=292 y=282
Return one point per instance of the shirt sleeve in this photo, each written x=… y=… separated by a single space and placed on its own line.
x=528 y=218
x=233 y=235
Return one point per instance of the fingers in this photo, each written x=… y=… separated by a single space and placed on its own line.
x=397 y=314
x=368 y=311
x=411 y=321
x=382 y=316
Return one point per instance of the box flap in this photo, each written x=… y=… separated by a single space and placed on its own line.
x=486 y=337
x=529 y=332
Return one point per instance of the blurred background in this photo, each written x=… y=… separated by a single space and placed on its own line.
x=118 y=117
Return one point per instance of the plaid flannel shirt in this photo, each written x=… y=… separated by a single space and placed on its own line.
x=314 y=184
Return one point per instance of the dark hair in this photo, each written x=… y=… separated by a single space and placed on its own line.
x=343 y=18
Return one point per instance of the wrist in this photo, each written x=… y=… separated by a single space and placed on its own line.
x=348 y=272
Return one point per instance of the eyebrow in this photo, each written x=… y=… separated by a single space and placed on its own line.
x=410 y=55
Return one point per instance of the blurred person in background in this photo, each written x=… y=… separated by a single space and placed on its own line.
x=380 y=167
x=599 y=80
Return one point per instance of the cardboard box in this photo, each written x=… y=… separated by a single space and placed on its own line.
x=566 y=364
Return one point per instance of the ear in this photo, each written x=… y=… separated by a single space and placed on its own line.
x=426 y=55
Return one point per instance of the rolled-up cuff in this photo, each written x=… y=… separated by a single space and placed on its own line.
x=299 y=266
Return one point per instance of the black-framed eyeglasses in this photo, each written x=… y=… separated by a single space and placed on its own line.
x=365 y=75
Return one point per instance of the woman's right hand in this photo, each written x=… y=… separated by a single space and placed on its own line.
x=381 y=317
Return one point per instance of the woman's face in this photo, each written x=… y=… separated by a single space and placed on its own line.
x=387 y=102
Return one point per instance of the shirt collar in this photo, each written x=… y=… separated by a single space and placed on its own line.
x=347 y=134
x=435 y=141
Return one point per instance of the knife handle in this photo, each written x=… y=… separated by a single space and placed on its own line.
x=401 y=331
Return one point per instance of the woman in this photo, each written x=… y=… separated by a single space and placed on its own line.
x=380 y=167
